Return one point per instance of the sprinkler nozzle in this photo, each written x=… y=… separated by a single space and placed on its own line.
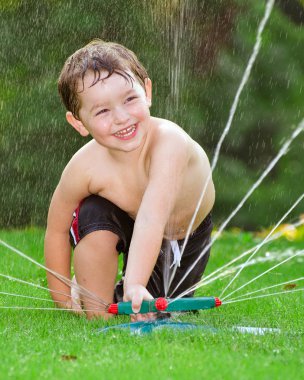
x=161 y=304
x=113 y=308
x=218 y=302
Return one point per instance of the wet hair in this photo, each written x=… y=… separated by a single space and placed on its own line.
x=97 y=56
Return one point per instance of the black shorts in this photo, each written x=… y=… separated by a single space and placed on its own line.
x=96 y=213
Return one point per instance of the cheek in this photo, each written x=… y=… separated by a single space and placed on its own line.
x=104 y=121
x=142 y=112
x=100 y=127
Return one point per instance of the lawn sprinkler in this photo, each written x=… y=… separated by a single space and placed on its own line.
x=166 y=305
x=161 y=305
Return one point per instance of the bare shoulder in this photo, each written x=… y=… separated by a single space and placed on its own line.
x=172 y=141
x=78 y=162
x=78 y=173
x=166 y=128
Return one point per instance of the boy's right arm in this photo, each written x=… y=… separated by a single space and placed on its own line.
x=69 y=192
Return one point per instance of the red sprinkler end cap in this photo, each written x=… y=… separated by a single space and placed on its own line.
x=218 y=302
x=113 y=308
x=161 y=304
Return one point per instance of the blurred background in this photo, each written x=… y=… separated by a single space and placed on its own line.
x=195 y=52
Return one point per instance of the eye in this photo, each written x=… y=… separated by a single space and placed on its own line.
x=130 y=98
x=102 y=112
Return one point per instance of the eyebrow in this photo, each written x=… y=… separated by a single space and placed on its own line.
x=98 y=105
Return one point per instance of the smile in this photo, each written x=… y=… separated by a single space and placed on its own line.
x=126 y=133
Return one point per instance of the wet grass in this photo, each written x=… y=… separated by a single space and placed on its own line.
x=56 y=344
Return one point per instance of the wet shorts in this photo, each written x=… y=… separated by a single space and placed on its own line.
x=96 y=213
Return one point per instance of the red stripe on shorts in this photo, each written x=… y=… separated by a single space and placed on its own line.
x=74 y=225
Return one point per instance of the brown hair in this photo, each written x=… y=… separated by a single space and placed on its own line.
x=96 y=56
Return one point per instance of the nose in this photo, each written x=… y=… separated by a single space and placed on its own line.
x=121 y=116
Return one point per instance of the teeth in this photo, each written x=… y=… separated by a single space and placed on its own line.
x=125 y=132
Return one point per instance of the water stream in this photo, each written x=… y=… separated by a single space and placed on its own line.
x=281 y=153
x=232 y=111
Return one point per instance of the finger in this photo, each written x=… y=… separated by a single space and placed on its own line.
x=136 y=317
x=148 y=296
x=140 y=317
x=76 y=305
x=78 y=312
x=151 y=316
x=77 y=309
x=136 y=303
x=68 y=305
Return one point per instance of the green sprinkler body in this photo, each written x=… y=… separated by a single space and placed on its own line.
x=166 y=305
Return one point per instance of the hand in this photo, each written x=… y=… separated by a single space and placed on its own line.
x=74 y=303
x=136 y=294
x=143 y=317
x=74 y=306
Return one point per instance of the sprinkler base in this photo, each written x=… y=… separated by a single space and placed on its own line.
x=145 y=327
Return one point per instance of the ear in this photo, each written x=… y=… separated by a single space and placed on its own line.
x=76 y=124
x=148 y=88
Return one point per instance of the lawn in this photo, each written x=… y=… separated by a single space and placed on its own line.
x=40 y=344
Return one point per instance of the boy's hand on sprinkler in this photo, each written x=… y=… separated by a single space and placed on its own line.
x=136 y=294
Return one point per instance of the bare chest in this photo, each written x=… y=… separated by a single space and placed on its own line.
x=125 y=188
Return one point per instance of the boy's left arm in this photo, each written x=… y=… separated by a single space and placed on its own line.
x=166 y=174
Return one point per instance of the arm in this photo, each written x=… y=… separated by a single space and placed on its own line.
x=166 y=174
x=69 y=192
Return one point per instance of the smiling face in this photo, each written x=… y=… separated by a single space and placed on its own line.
x=114 y=111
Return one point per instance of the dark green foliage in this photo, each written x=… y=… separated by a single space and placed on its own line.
x=201 y=46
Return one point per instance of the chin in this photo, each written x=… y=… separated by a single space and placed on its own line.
x=131 y=147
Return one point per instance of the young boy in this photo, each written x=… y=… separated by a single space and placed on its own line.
x=133 y=188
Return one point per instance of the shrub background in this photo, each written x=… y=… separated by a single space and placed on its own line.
x=196 y=52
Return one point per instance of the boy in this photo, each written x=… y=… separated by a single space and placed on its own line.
x=133 y=188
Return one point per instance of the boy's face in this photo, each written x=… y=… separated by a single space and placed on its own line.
x=114 y=111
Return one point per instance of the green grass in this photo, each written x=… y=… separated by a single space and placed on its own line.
x=58 y=345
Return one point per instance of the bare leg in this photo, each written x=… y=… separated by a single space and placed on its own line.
x=96 y=264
